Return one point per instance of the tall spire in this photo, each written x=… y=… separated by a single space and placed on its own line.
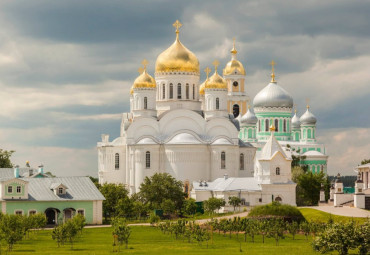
x=177 y=25
x=272 y=71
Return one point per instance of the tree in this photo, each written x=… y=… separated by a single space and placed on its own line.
x=365 y=161
x=213 y=204
x=116 y=200
x=276 y=228
x=168 y=206
x=338 y=237
x=122 y=231
x=297 y=158
x=235 y=202
x=5 y=159
x=308 y=188
x=189 y=207
x=71 y=230
x=11 y=226
x=59 y=234
x=293 y=228
x=159 y=187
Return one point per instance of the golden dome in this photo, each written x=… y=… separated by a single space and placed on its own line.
x=216 y=81
x=234 y=65
x=144 y=80
x=177 y=57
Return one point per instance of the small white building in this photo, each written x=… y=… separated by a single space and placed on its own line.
x=271 y=181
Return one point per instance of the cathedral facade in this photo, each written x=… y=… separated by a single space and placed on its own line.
x=204 y=131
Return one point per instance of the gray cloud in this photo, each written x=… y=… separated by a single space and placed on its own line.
x=66 y=66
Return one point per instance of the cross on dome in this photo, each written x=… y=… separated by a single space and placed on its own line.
x=308 y=103
x=177 y=25
x=207 y=71
x=144 y=63
x=233 y=50
x=272 y=71
x=216 y=64
x=140 y=70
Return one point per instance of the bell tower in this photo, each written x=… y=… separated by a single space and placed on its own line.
x=234 y=74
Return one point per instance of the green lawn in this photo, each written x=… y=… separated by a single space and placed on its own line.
x=317 y=215
x=149 y=240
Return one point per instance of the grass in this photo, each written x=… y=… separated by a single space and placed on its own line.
x=317 y=215
x=149 y=240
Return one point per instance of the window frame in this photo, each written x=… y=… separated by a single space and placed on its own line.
x=223 y=160
x=241 y=162
x=145 y=103
x=171 y=91
x=179 y=94
x=277 y=170
x=11 y=189
x=18 y=212
x=187 y=91
x=116 y=161
x=217 y=103
x=147 y=160
x=78 y=211
x=18 y=188
x=163 y=91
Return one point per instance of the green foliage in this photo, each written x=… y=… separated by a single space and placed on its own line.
x=154 y=219
x=117 y=201
x=297 y=158
x=276 y=209
x=293 y=228
x=5 y=158
x=156 y=189
x=365 y=161
x=189 y=207
x=69 y=230
x=121 y=231
x=308 y=188
x=168 y=206
x=235 y=201
x=276 y=228
x=12 y=229
x=338 y=237
x=213 y=204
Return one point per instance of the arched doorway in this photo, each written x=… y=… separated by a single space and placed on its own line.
x=278 y=199
x=68 y=213
x=236 y=110
x=51 y=216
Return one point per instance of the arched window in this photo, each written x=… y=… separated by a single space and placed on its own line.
x=145 y=103
x=179 y=91
x=193 y=91
x=267 y=125
x=116 y=161
x=284 y=126
x=164 y=91
x=171 y=90
x=276 y=125
x=278 y=171
x=223 y=160
x=147 y=159
x=217 y=103
x=309 y=133
x=235 y=110
x=278 y=199
x=187 y=91
x=259 y=125
x=241 y=161
x=250 y=133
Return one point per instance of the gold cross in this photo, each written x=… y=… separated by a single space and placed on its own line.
x=207 y=71
x=145 y=63
x=177 y=25
x=234 y=41
x=215 y=63
x=272 y=71
x=295 y=108
x=308 y=103
x=140 y=70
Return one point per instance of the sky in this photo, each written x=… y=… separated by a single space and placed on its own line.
x=66 y=68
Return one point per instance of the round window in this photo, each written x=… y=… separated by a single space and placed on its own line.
x=235 y=84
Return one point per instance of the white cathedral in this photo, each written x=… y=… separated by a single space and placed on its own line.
x=205 y=134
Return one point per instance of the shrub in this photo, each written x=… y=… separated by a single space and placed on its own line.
x=288 y=212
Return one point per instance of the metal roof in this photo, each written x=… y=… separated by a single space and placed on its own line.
x=79 y=189
x=230 y=184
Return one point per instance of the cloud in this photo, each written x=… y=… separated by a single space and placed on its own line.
x=66 y=67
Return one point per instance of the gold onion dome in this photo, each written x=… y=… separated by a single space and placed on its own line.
x=234 y=65
x=216 y=81
x=177 y=57
x=144 y=80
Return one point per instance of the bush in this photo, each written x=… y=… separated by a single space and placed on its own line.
x=288 y=212
x=154 y=219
